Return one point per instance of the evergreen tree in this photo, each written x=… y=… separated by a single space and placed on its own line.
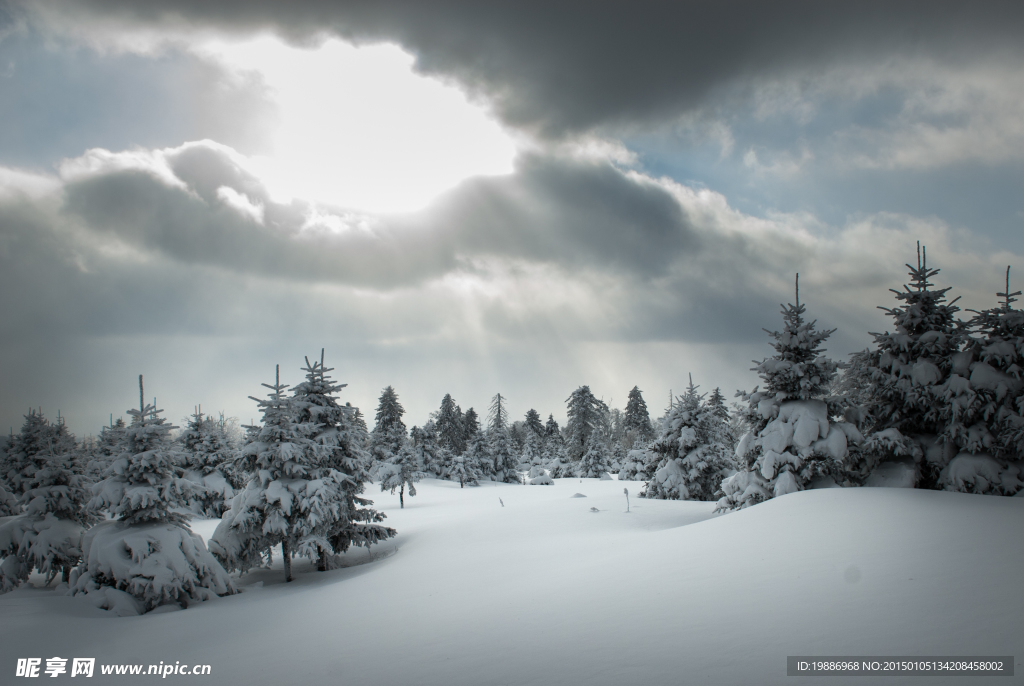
x=402 y=468
x=146 y=556
x=983 y=401
x=586 y=418
x=449 y=426
x=295 y=497
x=792 y=443
x=470 y=424
x=464 y=470
x=533 y=423
x=497 y=415
x=908 y=375
x=339 y=429
x=637 y=422
x=427 y=451
x=478 y=455
x=551 y=427
x=208 y=449
x=691 y=455
x=389 y=435
x=596 y=461
x=47 y=536
x=502 y=452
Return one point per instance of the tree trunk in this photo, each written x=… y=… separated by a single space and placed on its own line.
x=321 y=563
x=401 y=496
x=66 y=577
x=286 y=553
x=461 y=485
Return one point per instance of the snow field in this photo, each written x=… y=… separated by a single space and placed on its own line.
x=544 y=591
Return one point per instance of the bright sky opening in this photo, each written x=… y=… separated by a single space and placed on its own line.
x=358 y=128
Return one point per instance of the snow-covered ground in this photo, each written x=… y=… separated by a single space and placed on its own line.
x=543 y=590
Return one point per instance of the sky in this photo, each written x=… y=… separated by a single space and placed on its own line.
x=474 y=198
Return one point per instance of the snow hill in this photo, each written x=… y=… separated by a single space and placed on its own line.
x=543 y=590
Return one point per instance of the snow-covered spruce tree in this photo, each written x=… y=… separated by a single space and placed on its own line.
x=30 y=448
x=449 y=426
x=389 y=433
x=470 y=423
x=692 y=453
x=104 y=449
x=596 y=461
x=634 y=466
x=208 y=450
x=792 y=443
x=908 y=376
x=533 y=451
x=533 y=423
x=428 y=452
x=464 y=470
x=637 y=420
x=478 y=455
x=586 y=416
x=984 y=401
x=340 y=429
x=401 y=469
x=146 y=556
x=503 y=454
x=299 y=495
x=47 y=534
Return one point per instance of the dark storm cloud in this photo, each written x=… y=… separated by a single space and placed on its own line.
x=559 y=67
x=570 y=212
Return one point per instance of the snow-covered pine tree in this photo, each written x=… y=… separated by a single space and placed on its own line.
x=635 y=464
x=637 y=422
x=792 y=443
x=692 y=455
x=908 y=375
x=30 y=448
x=339 y=429
x=503 y=453
x=586 y=416
x=533 y=423
x=427 y=451
x=470 y=423
x=47 y=534
x=596 y=461
x=208 y=450
x=551 y=427
x=401 y=469
x=389 y=434
x=146 y=556
x=984 y=399
x=103 y=450
x=497 y=415
x=449 y=426
x=464 y=470
x=478 y=455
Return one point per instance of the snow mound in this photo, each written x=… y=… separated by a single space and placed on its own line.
x=605 y=476
x=577 y=495
x=542 y=480
x=155 y=564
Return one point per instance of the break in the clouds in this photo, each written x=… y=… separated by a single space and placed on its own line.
x=473 y=198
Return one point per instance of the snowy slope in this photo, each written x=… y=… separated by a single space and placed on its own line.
x=544 y=591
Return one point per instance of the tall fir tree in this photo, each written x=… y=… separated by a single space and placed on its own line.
x=208 y=450
x=450 y=432
x=792 y=443
x=984 y=398
x=586 y=421
x=533 y=422
x=908 y=374
x=637 y=420
x=389 y=434
x=146 y=556
x=48 y=533
x=690 y=457
x=336 y=428
x=497 y=414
